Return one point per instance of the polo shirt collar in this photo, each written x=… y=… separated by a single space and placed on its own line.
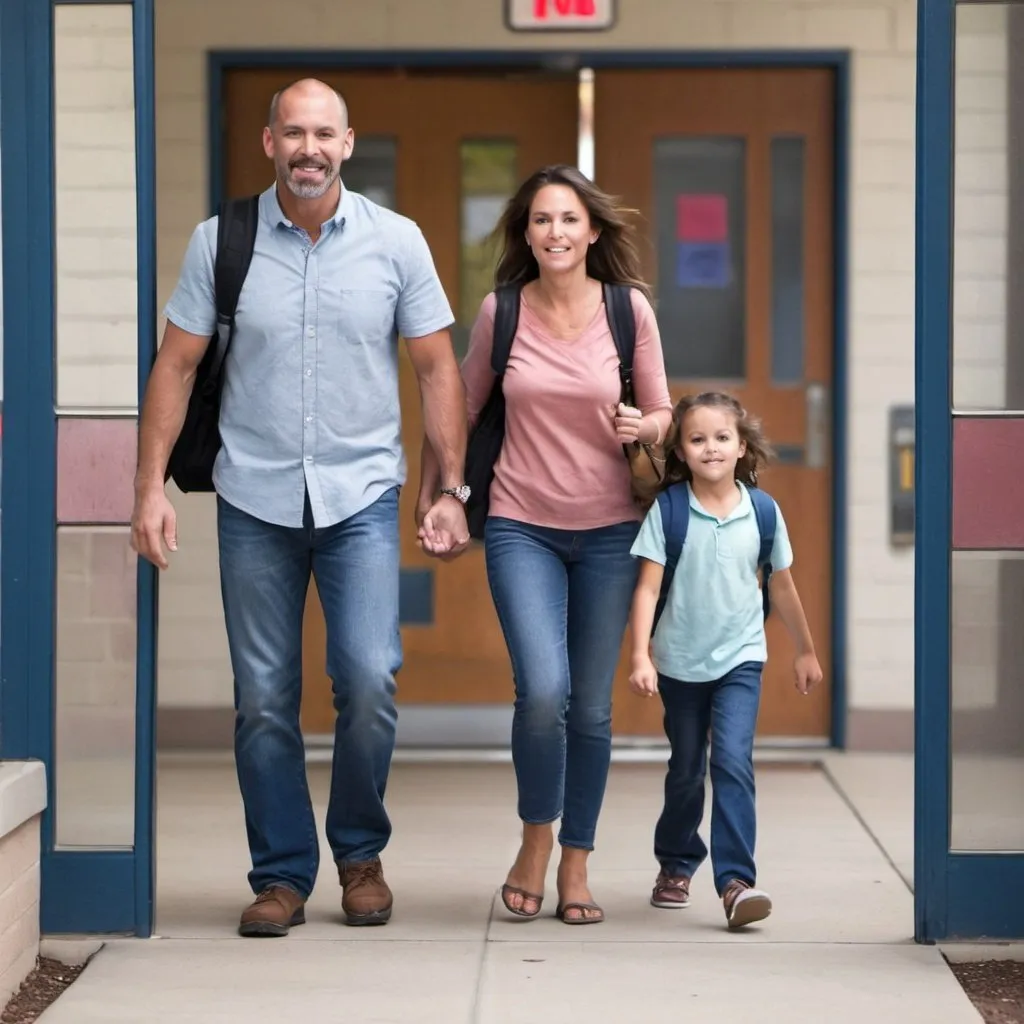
x=744 y=508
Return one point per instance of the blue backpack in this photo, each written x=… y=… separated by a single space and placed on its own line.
x=674 y=505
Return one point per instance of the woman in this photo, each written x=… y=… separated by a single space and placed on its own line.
x=562 y=518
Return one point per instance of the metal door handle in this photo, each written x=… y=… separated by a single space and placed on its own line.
x=817 y=443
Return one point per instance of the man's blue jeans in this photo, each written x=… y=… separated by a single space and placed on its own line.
x=728 y=707
x=563 y=601
x=265 y=572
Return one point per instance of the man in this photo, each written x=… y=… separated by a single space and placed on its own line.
x=307 y=480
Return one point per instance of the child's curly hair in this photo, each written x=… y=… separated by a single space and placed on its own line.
x=758 y=451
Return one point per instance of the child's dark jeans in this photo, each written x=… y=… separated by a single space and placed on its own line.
x=727 y=708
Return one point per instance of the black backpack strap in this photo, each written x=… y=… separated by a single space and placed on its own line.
x=506 y=323
x=237 y=220
x=618 y=305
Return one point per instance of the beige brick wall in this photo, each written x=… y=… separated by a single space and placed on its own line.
x=881 y=37
x=19 y=906
x=97 y=325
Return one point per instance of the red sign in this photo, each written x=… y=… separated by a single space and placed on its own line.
x=702 y=218
x=559 y=15
x=562 y=8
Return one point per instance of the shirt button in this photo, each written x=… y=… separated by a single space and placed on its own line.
x=309 y=419
x=309 y=373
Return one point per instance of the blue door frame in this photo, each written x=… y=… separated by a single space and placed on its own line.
x=82 y=890
x=956 y=895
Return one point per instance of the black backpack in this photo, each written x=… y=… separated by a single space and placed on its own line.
x=193 y=455
x=488 y=434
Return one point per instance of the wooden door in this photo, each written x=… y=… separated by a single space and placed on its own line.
x=733 y=172
x=445 y=149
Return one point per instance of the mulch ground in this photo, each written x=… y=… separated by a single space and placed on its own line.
x=38 y=990
x=996 y=987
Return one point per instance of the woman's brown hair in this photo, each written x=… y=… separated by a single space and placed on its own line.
x=758 y=451
x=612 y=259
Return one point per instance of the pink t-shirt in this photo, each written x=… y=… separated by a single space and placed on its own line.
x=561 y=465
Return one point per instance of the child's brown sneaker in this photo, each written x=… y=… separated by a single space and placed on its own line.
x=744 y=904
x=671 y=893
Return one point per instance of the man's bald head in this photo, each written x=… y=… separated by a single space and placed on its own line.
x=308 y=137
x=305 y=87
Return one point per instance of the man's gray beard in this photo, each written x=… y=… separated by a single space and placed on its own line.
x=308 y=190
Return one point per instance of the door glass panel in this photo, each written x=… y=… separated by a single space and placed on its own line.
x=987 y=678
x=1 y=349
x=371 y=169
x=94 y=742
x=700 y=217
x=988 y=209
x=95 y=197
x=488 y=179
x=987 y=644
x=787 y=162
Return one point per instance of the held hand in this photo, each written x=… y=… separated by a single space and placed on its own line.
x=444 y=532
x=423 y=505
x=808 y=673
x=627 y=423
x=643 y=680
x=154 y=524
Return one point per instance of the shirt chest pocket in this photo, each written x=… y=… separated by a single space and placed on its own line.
x=735 y=545
x=366 y=315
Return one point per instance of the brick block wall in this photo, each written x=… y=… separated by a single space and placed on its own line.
x=881 y=37
x=19 y=906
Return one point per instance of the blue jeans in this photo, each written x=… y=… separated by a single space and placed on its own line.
x=563 y=601
x=265 y=572
x=728 y=708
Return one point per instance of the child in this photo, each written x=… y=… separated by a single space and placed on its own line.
x=709 y=648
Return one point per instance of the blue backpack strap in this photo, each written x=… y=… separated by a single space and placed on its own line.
x=765 y=514
x=674 y=506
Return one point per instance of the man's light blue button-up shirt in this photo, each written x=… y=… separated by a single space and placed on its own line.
x=310 y=397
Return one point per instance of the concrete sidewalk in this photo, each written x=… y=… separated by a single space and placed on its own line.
x=838 y=947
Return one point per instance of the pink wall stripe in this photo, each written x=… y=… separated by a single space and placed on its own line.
x=95 y=470
x=988 y=489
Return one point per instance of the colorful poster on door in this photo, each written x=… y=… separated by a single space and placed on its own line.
x=702 y=218
x=702 y=241
x=703 y=265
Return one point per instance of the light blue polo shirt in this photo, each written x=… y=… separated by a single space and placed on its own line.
x=311 y=382
x=713 y=618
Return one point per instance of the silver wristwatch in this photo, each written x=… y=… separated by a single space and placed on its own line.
x=460 y=493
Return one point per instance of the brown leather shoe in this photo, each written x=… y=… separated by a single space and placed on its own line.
x=744 y=904
x=671 y=892
x=365 y=898
x=272 y=913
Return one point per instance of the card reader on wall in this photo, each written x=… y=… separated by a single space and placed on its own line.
x=901 y=475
